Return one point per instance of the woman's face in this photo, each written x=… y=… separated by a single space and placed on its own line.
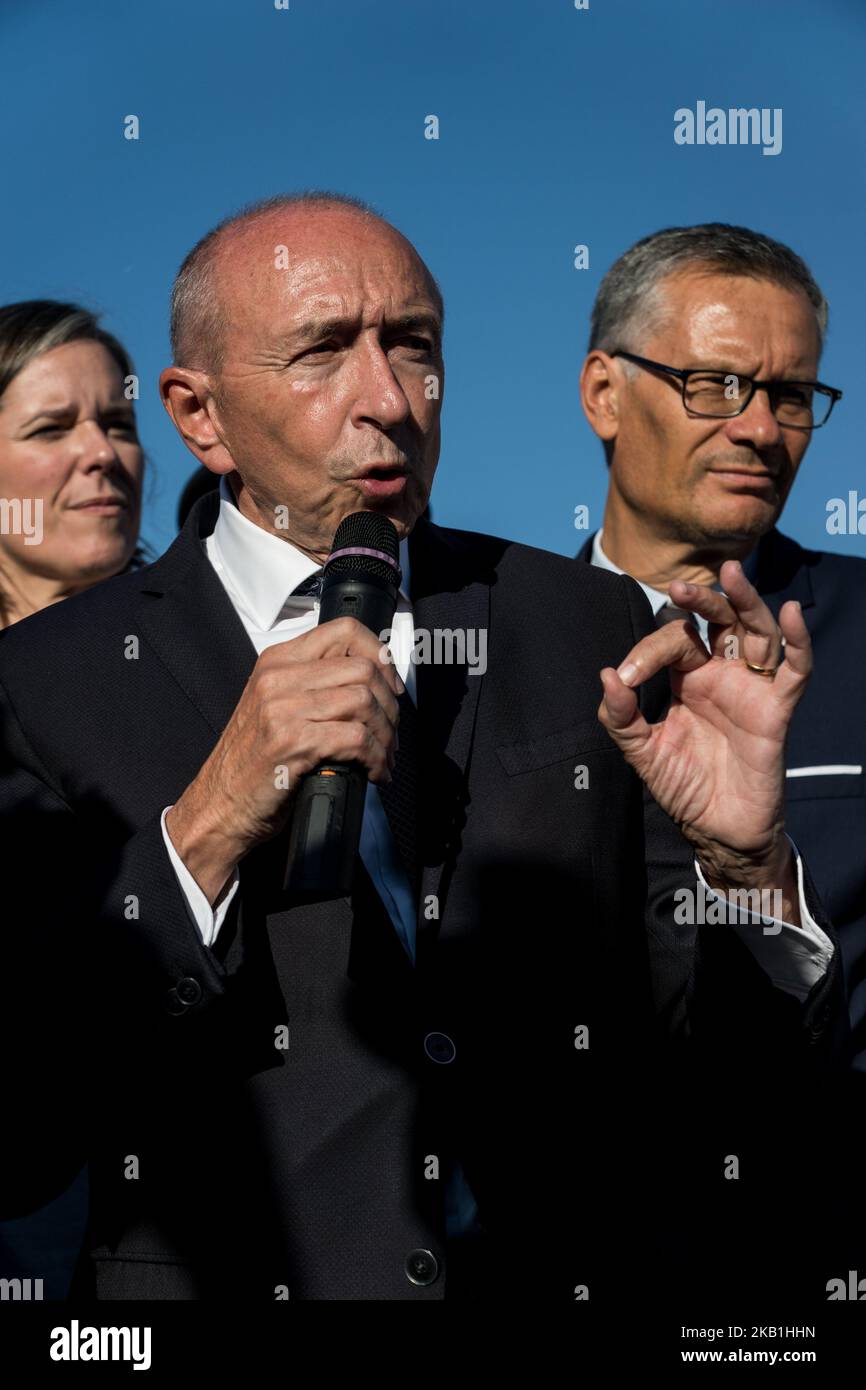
x=69 y=453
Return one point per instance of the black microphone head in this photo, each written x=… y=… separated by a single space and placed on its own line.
x=366 y=543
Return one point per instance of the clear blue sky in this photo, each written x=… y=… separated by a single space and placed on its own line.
x=556 y=128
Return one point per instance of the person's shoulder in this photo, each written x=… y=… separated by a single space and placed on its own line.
x=827 y=569
x=58 y=636
x=513 y=561
x=85 y=626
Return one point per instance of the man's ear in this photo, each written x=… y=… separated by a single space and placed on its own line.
x=601 y=384
x=187 y=395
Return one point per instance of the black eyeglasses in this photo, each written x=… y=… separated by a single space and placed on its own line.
x=718 y=395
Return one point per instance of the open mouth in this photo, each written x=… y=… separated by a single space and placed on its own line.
x=383 y=482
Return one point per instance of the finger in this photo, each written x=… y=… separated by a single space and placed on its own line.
x=791 y=678
x=346 y=705
x=353 y=671
x=353 y=704
x=709 y=603
x=620 y=714
x=740 y=607
x=677 y=644
x=352 y=742
x=762 y=642
x=344 y=637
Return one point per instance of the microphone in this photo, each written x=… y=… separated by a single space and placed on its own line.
x=360 y=580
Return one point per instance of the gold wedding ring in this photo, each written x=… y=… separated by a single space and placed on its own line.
x=769 y=671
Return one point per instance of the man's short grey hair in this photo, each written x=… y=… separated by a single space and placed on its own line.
x=198 y=321
x=630 y=305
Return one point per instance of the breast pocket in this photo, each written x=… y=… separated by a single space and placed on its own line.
x=554 y=811
x=820 y=780
x=825 y=816
x=587 y=736
x=135 y=1277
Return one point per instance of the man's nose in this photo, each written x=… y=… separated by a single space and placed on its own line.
x=757 y=424
x=380 y=397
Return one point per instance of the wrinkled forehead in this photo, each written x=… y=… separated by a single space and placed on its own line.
x=285 y=271
x=705 y=311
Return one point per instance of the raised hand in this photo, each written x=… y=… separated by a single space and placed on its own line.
x=715 y=763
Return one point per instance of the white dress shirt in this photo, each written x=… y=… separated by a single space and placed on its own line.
x=795 y=958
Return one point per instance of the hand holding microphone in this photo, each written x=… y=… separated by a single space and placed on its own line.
x=361 y=580
x=325 y=697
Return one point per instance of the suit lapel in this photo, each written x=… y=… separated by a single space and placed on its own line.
x=448 y=593
x=782 y=572
x=190 y=622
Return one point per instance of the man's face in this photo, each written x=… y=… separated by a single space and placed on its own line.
x=329 y=394
x=700 y=479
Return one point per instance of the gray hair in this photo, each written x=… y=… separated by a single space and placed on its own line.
x=198 y=319
x=630 y=304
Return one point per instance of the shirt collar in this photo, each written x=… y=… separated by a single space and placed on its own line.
x=262 y=568
x=657 y=597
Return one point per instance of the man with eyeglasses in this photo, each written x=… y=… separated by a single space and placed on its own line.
x=701 y=380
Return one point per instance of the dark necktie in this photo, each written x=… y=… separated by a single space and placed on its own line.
x=399 y=797
x=668 y=613
x=309 y=587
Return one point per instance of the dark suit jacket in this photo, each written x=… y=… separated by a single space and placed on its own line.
x=225 y=1166
x=826 y=812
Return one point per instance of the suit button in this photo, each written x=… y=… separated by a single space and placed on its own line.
x=182 y=996
x=422 y=1267
x=189 y=990
x=439 y=1047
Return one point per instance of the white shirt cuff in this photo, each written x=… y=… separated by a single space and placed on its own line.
x=795 y=958
x=206 y=919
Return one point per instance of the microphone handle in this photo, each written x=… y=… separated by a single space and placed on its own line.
x=326 y=831
x=329 y=808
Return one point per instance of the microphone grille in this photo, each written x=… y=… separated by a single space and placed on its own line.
x=366 y=531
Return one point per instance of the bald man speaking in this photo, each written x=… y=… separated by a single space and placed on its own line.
x=374 y=1095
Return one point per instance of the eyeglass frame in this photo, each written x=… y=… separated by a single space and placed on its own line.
x=683 y=375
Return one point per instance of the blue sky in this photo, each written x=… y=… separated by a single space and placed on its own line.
x=556 y=128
